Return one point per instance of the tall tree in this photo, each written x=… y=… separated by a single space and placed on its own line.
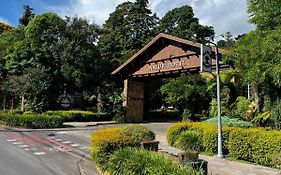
x=266 y=14
x=228 y=40
x=187 y=92
x=27 y=15
x=181 y=22
x=258 y=59
x=81 y=63
x=126 y=30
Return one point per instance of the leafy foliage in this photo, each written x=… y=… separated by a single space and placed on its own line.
x=181 y=22
x=256 y=145
x=189 y=140
x=186 y=92
x=126 y=30
x=235 y=122
x=138 y=161
x=138 y=133
x=276 y=115
x=104 y=142
x=265 y=13
x=30 y=120
x=73 y=115
x=27 y=15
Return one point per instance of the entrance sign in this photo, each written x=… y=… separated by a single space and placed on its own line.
x=206 y=59
x=158 y=66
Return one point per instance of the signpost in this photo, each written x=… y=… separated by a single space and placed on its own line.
x=206 y=66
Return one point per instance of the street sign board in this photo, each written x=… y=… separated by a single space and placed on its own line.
x=205 y=58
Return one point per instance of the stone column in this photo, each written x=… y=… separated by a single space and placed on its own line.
x=134 y=99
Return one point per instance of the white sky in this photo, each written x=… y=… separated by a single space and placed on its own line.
x=223 y=15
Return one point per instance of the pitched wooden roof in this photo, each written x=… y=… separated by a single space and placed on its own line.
x=143 y=56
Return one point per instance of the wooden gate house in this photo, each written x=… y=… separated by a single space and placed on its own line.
x=163 y=56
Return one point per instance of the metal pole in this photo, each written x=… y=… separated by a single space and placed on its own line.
x=220 y=154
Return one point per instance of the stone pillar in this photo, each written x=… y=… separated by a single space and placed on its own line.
x=134 y=97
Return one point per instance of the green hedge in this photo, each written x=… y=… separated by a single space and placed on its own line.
x=73 y=116
x=131 y=161
x=30 y=120
x=255 y=144
x=104 y=142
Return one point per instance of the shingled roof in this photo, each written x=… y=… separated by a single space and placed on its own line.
x=161 y=41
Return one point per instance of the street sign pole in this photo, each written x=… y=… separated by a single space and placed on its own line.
x=206 y=66
x=220 y=153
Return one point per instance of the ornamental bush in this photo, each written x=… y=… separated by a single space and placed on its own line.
x=73 y=115
x=132 y=161
x=104 y=142
x=256 y=145
x=175 y=130
x=190 y=140
x=138 y=133
x=30 y=120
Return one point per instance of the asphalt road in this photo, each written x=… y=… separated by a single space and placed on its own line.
x=52 y=152
x=44 y=153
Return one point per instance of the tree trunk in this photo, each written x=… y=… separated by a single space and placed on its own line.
x=4 y=103
x=256 y=99
x=12 y=103
x=22 y=104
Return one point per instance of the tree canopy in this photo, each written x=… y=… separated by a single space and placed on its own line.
x=27 y=15
x=266 y=14
x=181 y=22
x=126 y=30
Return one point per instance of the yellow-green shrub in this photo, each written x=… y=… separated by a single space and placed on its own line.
x=104 y=142
x=73 y=115
x=256 y=145
x=131 y=161
x=30 y=120
x=175 y=130
x=210 y=139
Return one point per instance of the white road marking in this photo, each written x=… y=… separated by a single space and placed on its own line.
x=75 y=145
x=23 y=146
x=27 y=149
x=39 y=153
x=61 y=132
x=58 y=140
x=12 y=140
x=16 y=143
x=66 y=142
x=84 y=147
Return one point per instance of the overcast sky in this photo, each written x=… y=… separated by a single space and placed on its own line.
x=223 y=15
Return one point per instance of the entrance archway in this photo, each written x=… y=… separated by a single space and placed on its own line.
x=164 y=56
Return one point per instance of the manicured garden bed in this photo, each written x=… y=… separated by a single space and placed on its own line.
x=257 y=145
x=30 y=120
x=117 y=151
